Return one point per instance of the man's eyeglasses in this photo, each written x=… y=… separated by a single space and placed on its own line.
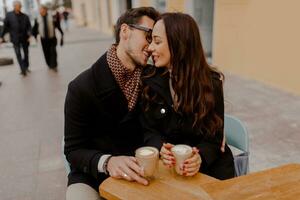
x=142 y=28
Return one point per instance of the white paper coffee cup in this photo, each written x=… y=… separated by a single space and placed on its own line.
x=181 y=152
x=147 y=158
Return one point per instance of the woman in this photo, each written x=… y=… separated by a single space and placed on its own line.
x=182 y=99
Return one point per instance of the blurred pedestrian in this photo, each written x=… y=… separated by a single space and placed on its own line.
x=19 y=27
x=45 y=26
x=66 y=19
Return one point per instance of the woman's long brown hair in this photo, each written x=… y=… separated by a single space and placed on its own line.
x=191 y=75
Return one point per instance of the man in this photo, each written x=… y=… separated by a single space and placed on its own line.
x=102 y=129
x=45 y=26
x=19 y=27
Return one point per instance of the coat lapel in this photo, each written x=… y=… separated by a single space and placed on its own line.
x=109 y=93
x=160 y=83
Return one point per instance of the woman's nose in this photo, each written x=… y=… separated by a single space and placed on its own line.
x=150 y=47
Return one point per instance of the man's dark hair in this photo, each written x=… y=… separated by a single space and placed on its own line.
x=132 y=16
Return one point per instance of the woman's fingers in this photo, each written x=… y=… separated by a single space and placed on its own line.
x=193 y=159
x=168 y=163
x=190 y=174
x=167 y=159
x=166 y=155
x=195 y=156
x=195 y=150
x=192 y=165
x=191 y=169
x=166 y=150
x=168 y=146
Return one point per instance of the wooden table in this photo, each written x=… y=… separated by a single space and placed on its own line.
x=278 y=183
x=273 y=184
x=167 y=185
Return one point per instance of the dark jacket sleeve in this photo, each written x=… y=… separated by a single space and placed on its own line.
x=5 y=26
x=77 y=150
x=58 y=26
x=210 y=147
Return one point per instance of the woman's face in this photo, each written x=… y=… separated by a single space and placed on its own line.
x=159 y=47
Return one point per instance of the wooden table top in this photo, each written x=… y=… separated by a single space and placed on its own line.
x=177 y=187
x=277 y=183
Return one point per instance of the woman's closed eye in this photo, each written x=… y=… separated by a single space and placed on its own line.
x=157 y=42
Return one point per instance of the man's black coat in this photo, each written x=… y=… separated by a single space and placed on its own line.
x=18 y=26
x=97 y=122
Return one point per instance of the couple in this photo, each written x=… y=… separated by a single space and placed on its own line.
x=109 y=113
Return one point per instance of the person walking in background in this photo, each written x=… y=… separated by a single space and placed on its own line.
x=182 y=99
x=45 y=26
x=19 y=27
x=102 y=128
x=66 y=19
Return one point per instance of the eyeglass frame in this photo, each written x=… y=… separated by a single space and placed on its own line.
x=145 y=29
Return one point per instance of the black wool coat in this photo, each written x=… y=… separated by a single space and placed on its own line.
x=161 y=124
x=97 y=122
x=18 y=26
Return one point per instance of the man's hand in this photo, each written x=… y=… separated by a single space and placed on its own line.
x=126 y=167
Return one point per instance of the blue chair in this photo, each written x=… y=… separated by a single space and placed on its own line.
x=67 y=164
x=237 y=137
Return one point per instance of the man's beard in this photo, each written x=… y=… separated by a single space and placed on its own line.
x=134 y=57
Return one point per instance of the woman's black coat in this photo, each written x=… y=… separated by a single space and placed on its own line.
x=162 y=124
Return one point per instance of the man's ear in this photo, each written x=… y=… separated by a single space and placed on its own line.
x=124 y=32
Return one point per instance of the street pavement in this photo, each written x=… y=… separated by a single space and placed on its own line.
x=32 y=117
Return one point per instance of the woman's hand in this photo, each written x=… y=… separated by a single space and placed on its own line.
x=192 y=165
x=166 y=155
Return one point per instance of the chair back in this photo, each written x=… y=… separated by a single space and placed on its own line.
x=237 y=136
x=236 y=133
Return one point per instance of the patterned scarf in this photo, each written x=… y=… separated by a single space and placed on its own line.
x=127 y=80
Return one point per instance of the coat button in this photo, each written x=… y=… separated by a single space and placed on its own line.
x=162 y=111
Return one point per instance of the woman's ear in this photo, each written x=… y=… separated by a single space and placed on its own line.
x=124 y=32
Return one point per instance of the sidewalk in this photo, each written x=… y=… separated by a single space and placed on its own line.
x=272 y=117
x=32 y=120
x=32 y=117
